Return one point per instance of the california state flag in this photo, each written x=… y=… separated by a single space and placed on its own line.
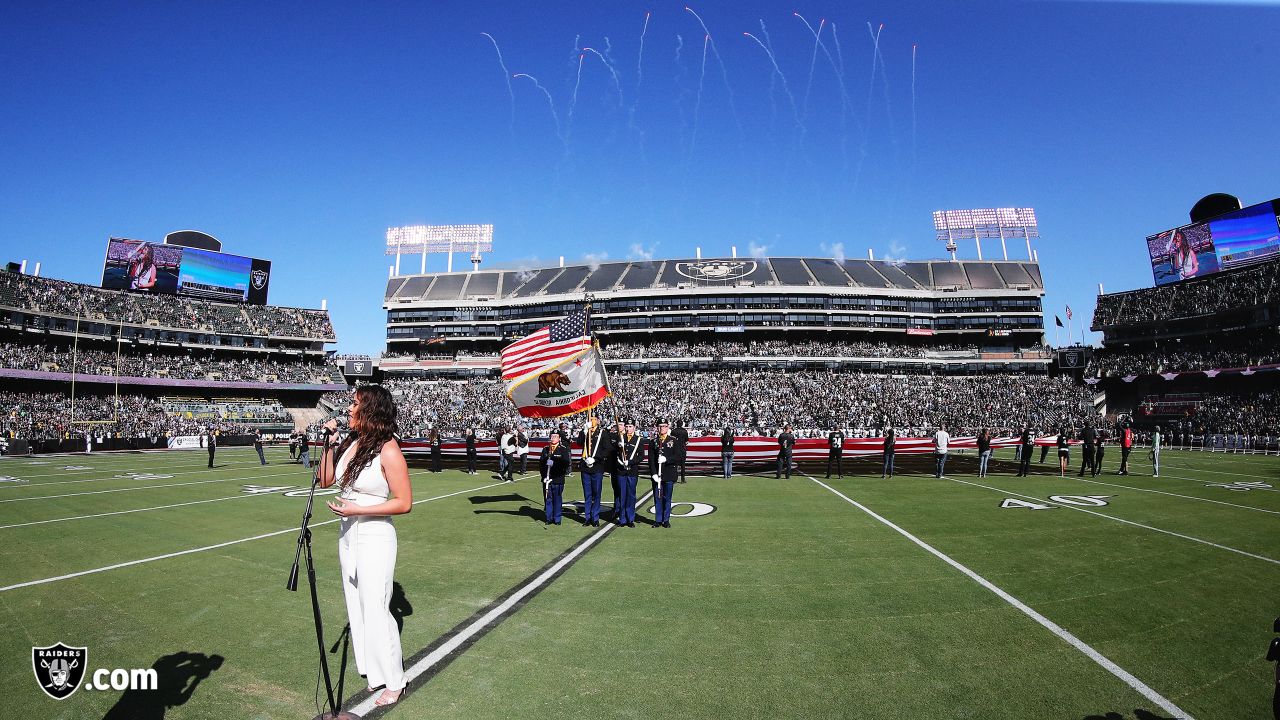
x=573 y=386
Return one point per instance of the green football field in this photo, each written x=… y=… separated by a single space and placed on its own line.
x=857 y=597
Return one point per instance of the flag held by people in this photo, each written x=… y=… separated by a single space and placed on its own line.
x=572 y=386
x=555 y=371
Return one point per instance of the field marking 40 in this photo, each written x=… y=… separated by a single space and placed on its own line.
x=1078 y=500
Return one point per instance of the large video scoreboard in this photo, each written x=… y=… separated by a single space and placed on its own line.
x=1236 y=239
x=156 y=268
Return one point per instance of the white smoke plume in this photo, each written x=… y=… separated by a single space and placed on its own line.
x=640 y=252
x=757 y=251
x=593 y=260
x=897 y=254
x=836 y=251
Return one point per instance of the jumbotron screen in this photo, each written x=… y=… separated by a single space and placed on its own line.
x=159 y=269
x=1243 y=237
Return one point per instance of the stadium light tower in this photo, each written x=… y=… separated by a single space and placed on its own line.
x=986 y=223
x=439 y=238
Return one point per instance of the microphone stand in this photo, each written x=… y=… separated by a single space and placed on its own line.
x=304 y=543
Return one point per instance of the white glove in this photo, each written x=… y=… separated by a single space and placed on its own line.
x=657 y=479
x=589 y=461
x=662 y=459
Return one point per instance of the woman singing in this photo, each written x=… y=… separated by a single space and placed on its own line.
x=142 y=268
x=1182 y=257
x=374 y=482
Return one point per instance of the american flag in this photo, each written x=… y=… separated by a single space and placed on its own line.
x=546 y=346
x=1068 y=312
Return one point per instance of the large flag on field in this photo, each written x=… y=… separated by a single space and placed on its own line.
x=573 y=385
x=545 y=348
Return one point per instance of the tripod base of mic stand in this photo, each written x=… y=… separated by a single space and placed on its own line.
x=342 y=715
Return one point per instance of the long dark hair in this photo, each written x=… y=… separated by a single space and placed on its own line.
x=374 y=427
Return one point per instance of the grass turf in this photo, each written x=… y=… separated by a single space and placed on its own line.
x=786 y=601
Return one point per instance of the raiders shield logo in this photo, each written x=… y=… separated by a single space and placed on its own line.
x=259 y=279
x=1073 y=359
x=59 y=669
x=359 y=367
x=716 y=269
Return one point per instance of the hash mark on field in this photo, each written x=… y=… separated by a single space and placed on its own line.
x=1124 y=675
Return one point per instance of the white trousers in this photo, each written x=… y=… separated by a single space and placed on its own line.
x=367 y=554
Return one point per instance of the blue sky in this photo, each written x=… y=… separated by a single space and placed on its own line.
x=299 y=133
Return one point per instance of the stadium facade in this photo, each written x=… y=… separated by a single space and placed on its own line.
x=455 y=322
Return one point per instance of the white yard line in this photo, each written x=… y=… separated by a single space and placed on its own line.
x=166 y=556
x=1121 y=520
x=126 y=512
x=1124 y=675
x=164 y=471
x=153 y=487
x=1188 y=497
x=433 y=658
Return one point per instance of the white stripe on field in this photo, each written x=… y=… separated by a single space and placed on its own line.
x=369 y=704
x=117 y=470
x=1121 y=520
x=150 y=487
x=126 y=512
x=166 y=556
x=1189 y=497
x=1124 y=675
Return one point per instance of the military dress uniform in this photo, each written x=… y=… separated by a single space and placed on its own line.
x=595 y=454
x=665 y=458
x=629 y=457
x=786 y=443
x=835 y=452
x=554 y=464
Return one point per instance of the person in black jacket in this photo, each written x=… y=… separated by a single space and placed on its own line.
x=682 y=436
x=210 y=440
x=890 y=447
x=984 y=451
x=1026 y=441
x=726 y=451
x=666 y=454
x=553 y=465
x=629 y=457
x=471 y=451
x=786 y=442
x=835 y=451
x=1098 y=452
x=1086 y=452
x=595 y=453
x=435 y=451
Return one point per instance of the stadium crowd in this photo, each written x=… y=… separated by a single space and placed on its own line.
x=782 y=348
x=51 y=416
x=813 y=402
x=58 y=297
x=187 y=366
x=1216 y=293
x=1173 y=358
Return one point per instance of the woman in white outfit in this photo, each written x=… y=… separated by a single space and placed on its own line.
x=374 y=483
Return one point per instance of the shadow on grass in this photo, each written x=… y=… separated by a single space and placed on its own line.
x=177 y=676
x=509 y=497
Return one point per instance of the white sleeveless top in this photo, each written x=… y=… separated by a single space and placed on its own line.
x=370 y=487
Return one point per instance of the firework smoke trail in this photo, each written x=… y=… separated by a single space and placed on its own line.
x=884 y=80
x=507 y=75
x=913 y=104
x=573 y=102
x=777 y=71
x=697 y=105
x=724 y=73
x=609 y=66
x=550 y=104
x=640 y=57
x=813 y=61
